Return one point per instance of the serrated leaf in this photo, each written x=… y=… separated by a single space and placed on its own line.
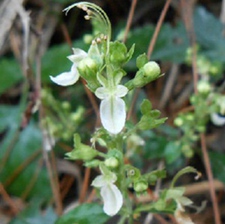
x=84 y=214
x=146 y=107
x=141 y=60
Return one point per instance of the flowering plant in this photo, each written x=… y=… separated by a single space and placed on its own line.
x=102 y=68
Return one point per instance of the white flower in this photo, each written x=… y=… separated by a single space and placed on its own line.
x=69 y=78
x=180 y=215
x=111 y=195
x=112 y=108
x=217 y=119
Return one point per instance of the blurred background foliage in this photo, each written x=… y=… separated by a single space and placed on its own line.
x=24 y=172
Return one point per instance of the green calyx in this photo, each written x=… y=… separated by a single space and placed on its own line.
x=81 y=151
x=149 y=72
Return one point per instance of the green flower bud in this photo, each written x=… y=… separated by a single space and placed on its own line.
x=178 y=122
x=204 y=87
x=140 y=186
x=188 y=152
x=112 y=162
x=152 y=69
x=148 y=73
x=66 y=105
x=87 y=62
x=88 y=69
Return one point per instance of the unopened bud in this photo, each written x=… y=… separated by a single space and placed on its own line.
x=140 y=186
x=87 y=62
x=152 y=69
x=204 y=87
x=112 y=162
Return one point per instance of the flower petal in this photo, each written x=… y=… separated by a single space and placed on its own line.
x=112 y=199
x=99 y=181
x=121 y=91
x=102 y=93
x=217 y=119
x=113 y=114
x=66 y=78
x=77 y=55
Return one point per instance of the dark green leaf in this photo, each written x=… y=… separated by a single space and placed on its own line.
x=84 y=214
x=218 y=165
x=146 y=107
x=33 y=215
x=10 y=74
x=172 y=152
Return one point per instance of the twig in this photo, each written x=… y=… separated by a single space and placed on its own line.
x=8 y=200
x=210 y=178
x=160 y=219
x=169 y=85
x=20 y=168
x=157 y=29
x=33 y=180
x=202 y=187
x=129 y=20
x=85 y=185
x=65 y=185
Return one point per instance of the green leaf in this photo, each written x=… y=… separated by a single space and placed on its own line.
x=28 y=145
x=130 y=53
x=34 y=215
x=10 y=74
x=141 y=60
x=84 y=214
x=146 y=107
x=147 y=122
x=218 y=165
x=172 y=151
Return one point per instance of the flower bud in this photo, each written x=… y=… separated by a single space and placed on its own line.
x=88 y=69
x=204 y=87
x=151 y=69
x=148 y=73
x=140 y=186
x=87 y=62
x=178 y=121
x=112 y=162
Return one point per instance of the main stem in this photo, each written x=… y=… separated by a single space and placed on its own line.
x=123 y=183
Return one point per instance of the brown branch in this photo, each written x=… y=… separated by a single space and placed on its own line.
x=129 y=20
x=85 y=185
x=211 y=181
x=157 y=29
x=8 y=200
x=20 y=168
